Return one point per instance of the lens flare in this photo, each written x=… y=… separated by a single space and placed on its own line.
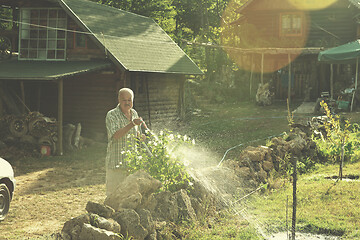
x=311 y=4
x=263 y=41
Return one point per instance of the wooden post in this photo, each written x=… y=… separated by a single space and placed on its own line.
x=356 y=82
x=262 y=68
x=289 y=85
x=148 y=100
x=60 y=116
x=293 y=227
x=22 y=89
x=287 y=227
x=331 y=81
x=38 y=102
x=251 y=73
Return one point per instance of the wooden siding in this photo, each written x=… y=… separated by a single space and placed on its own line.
x=87 y=100
x=157 y=96
x=323 y=28
x=331 y=27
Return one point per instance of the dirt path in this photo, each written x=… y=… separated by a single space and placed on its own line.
x=52 y=190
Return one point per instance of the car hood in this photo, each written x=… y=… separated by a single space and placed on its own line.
x=6 y=171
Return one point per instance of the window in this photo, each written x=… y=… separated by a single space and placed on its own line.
x=80 y=39
x=42 y=34
x=290 y=24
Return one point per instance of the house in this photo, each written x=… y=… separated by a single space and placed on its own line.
x=282 y=40
x=72 y=56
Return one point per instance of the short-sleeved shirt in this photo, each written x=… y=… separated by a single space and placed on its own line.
x=116 y=149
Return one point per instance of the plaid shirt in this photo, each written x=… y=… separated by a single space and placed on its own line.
x=116 y=119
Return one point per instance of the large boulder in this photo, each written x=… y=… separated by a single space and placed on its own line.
x=134 y=191
x=130 y=223
x=72 y=228
x=105 y=223
x=99 y=209
x=173 y=207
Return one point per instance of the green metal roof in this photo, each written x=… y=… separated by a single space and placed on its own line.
x=346 y=53
x=43 y=70
x=135 y=42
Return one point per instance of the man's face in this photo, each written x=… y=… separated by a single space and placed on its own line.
x=125 y=101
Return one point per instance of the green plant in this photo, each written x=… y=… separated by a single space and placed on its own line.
x=155 y=157
x=336 y=145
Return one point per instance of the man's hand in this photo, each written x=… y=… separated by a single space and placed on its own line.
x=137 y=121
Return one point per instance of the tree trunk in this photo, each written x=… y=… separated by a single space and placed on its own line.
x=342 y=160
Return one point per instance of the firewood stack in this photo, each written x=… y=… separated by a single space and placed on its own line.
x=31 y=131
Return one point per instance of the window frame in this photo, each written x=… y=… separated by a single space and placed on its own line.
x=291 y=34
x=75 y=32
x=42 y=35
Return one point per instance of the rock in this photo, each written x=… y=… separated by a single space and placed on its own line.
x=99 y=209
x=72 y=228
x=89 y=232
x=267 y=165
x=173 y=207
x=129 y=221
x=186 y=211
x=262 y=175
x=166 y=207
x=146 y=220
x=133 y=191
x=245 y=172
x=103 y=223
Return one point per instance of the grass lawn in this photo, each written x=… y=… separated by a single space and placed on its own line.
x=220 y=127
x=324 y=206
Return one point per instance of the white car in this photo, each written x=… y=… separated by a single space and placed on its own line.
x=7 y=187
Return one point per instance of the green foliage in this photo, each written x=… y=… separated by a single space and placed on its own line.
x=340 y=143
x=157 y=159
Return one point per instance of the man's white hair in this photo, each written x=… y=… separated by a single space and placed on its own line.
x=128 y=90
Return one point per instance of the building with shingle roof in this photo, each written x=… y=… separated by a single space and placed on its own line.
x=78 y=54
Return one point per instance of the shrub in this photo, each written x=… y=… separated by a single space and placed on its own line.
x=341 y=141
x=155 y=157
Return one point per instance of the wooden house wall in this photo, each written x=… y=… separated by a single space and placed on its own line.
x=323 y=28
x=157 y=97
x=332 y=26
x=86 y=100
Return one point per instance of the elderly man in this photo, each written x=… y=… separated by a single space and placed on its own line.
x=123 y=125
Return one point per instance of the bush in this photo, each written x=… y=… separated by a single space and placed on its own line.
x=154 y=156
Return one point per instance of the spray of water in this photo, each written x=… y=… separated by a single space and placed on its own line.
x=203 y=166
